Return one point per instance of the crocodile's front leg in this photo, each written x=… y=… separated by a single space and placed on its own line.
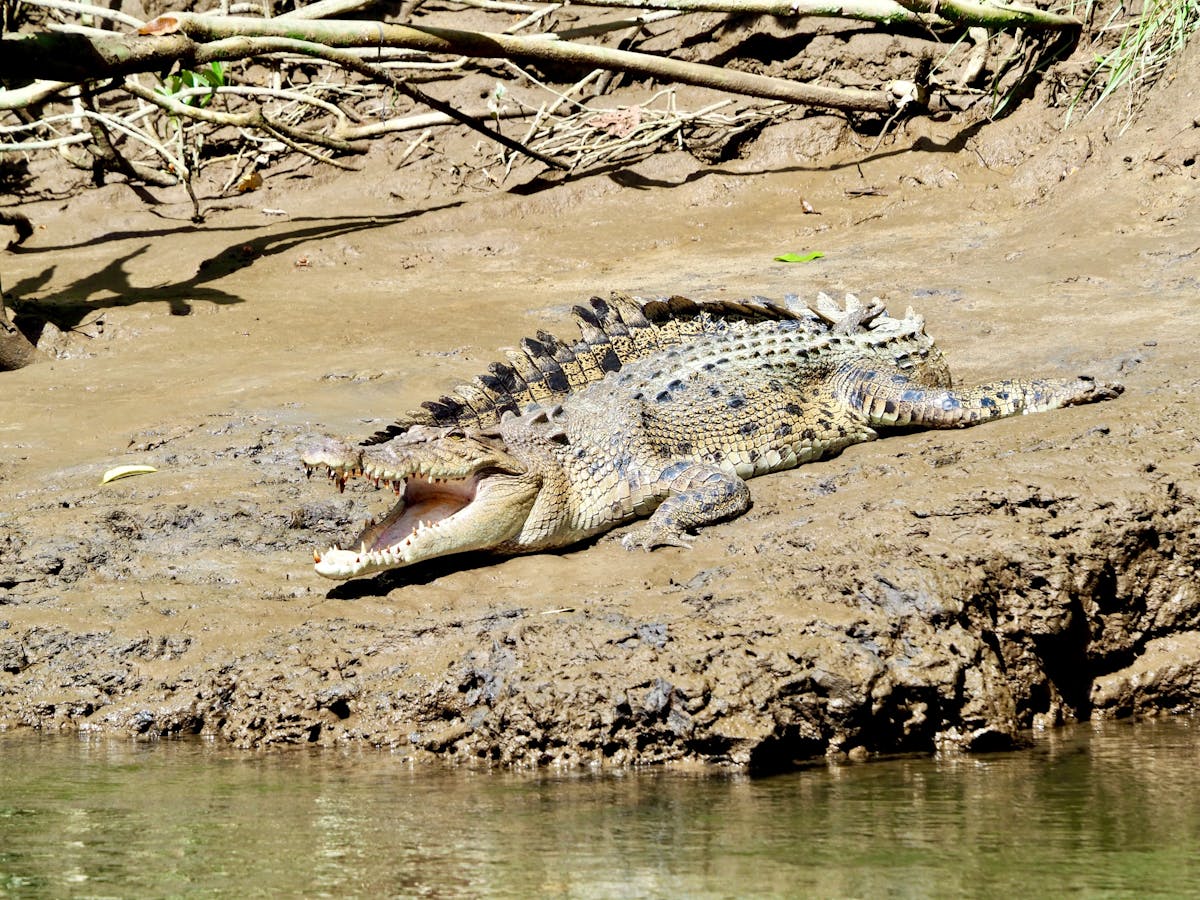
x=696 y=494
x=892 y=400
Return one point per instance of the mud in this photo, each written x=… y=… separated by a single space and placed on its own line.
x=929 y=591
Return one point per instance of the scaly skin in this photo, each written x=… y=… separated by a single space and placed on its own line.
x=663 y=408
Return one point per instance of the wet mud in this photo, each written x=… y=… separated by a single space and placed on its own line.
x=930 y=591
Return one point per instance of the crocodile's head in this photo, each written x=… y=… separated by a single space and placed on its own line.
x=458 y=491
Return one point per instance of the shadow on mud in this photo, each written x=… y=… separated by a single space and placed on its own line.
x=429 y=571
x=422 y=573
x=70 y=307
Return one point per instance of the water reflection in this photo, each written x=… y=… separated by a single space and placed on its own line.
x=1106 y=811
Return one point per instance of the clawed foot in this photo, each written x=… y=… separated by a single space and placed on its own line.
x=650 y=536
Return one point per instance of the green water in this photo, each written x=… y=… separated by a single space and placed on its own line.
x=1109 y=811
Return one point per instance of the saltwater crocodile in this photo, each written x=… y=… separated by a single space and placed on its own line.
x=662 y=407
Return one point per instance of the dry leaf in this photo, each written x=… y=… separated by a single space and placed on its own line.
x=162 y=25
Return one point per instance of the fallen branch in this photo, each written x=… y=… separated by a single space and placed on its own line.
x=417 y=122
x=327 y=9
x=489 y=45
x=63 y=55
x=88 y=9
x=886 y=12
x=592 y=136
x=383 y=76
x=570 y=34
x=79 y=137
x=37 y=91
x=255 y=118
x=76 y=57
x=971 y=13
x=103 y=148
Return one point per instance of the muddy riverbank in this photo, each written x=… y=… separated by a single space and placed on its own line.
x=933 y=590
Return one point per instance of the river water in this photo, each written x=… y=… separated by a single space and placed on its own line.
x=1111 y=810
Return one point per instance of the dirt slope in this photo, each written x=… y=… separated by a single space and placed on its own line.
x=934 y=590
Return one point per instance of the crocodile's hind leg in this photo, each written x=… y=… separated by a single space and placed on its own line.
x=696 y=494
x=893 y=400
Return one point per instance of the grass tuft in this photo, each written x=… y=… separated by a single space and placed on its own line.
x=1148 y=41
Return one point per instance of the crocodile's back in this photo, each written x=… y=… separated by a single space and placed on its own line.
x=613 y=333
x=622 y=330
x=748 y=397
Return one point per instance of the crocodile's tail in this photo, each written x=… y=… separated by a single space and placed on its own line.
x=613 y=333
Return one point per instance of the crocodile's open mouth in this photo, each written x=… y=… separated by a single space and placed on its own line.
x=424 y=503
x=436 y=517
x=425 y=506
x=456 y=492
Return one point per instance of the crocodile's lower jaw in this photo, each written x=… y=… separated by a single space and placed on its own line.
x=340 y=564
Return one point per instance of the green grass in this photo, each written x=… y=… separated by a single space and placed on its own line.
x=1148 y=41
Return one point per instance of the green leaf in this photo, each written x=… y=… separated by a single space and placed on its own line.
x=212 y=78
x=797 y=257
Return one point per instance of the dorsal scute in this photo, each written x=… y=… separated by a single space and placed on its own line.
x=613 y=333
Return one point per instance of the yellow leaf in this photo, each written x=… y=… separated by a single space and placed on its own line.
x=125 y=472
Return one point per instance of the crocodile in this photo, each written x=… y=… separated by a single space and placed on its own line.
x=661 y=408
